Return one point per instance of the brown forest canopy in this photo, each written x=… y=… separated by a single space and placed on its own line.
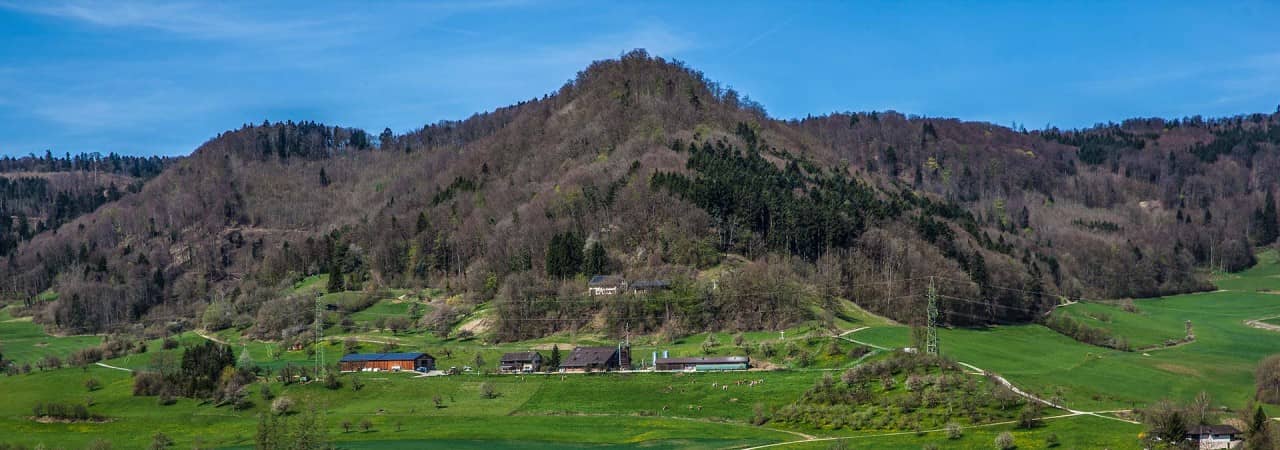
x=642 y=166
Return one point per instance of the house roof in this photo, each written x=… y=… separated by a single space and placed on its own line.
x=604 y=280
x=365 y=357
x=1213 y=429
x=588 y=356
x=520 y=356
x=650 y=284
x=705 y=360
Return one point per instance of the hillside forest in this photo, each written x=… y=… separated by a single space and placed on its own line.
x=644 y=168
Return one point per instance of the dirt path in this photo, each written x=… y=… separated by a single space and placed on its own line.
x=1259 y=324
x=897 y=433
x=113 y=367
x=866 y=344
x=1033 y=398
x=206 y=335
x=374 y=340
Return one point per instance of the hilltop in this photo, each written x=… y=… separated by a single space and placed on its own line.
x=760 y=223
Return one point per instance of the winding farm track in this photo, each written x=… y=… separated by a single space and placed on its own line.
x=206 y=335
x=1259 y=324
x=113 y=367
x=976 y=371
x=897 y=433
x=867 y=344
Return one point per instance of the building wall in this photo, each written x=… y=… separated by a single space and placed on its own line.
x=407 y=364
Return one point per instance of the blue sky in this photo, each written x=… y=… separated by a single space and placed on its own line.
x=142 y=77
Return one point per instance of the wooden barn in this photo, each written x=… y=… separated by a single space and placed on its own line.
x=394 y=362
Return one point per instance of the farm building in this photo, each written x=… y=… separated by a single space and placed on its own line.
x=605 y=285
x=1214 y=436
x=375 y=362
x=701 y=364
x=642 y=286
x=597 y=359
x=517 y=362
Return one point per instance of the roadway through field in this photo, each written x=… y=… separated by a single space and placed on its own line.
x=976 y=371
x=1259 y=324
x=1005 y=382
x=899 y=433
x=113 y=367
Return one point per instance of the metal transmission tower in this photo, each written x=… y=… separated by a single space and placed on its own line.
x=931 y=331
x=320 y=365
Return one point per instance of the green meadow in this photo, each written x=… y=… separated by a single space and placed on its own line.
x=26 y=342
x=1220 y=361
x=647 y=410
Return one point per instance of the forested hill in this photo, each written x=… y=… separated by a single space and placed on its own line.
x=39 y=193
x=643 y=167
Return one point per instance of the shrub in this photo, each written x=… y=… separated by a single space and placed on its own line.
x=282 y=405
x=166 y=399
x=147 y=384
x=1051 y=440
x=709 y=345
x=954 y=431
x=1005 y=441
x=804 y=359
x=1268 y=380
x=487 y=390
x=92 y=384
x=160 y=442
x=759 y=417
x=331 y=382
x=63 y=411
x=1029 y=417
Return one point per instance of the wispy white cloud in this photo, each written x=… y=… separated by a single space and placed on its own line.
x=1229 y=74
x=760 y=37
x=191 y=20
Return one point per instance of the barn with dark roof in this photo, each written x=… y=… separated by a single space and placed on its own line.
x=597 y=359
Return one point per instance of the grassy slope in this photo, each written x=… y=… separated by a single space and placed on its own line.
x=1073 y=433
x=1142 y=329
x=623 y=409
x=388 y=399
x=1220 y=362
x=26 y=342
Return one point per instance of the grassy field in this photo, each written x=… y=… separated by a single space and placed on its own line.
x=1220 y=361
x=673 y=410
x=1141 y=329
x=1079 y=432
x=574 y=411
x=26 y=342
x=584 y=409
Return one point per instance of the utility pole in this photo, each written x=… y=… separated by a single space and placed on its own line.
x=931 y=332
x=320 y=366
